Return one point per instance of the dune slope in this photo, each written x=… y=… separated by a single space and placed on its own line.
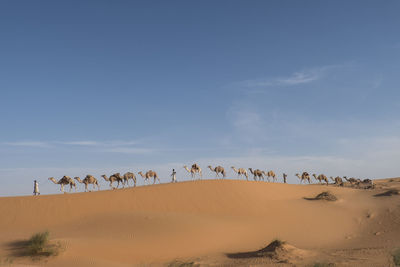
x=160 y=223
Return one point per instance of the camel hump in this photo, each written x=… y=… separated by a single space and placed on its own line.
x=194 y=166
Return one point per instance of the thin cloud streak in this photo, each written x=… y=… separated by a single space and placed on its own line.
x=80 y=143
x=297 y=78
x=124 y=147
x=131 y=150
x=71 y=143
x=27 y=144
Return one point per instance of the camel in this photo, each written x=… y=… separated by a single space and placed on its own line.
x=352 y=180
x=195 y=169
x=270 y=174
x=150 y=174
x=366 y=182
x=266 y=175
x=116 y=177
x=321 y=178
x=337 y=180
x=304 y=176
x=218 y=170
x=89 y=179
x=66 y=180
x=240 y=172
x=257 y=173
x=127 y=176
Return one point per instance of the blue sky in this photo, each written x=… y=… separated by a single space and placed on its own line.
x=104 y=86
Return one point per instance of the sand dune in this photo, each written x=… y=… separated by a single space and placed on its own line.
x=202 y=221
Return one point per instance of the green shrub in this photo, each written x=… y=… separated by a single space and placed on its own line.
x=38 y=243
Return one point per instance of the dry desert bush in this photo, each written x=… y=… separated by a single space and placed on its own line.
x=39 y=245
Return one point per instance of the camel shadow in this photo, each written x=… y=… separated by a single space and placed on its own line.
x=388 y=193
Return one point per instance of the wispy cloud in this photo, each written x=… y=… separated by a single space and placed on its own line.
x=71 y=143
x=98 y=143
x=116 y=146
x=130 y=150
x=300 y=77
x=80 y=143
x=27 y=144
x=297 y=78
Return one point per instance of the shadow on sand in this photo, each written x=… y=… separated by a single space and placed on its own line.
x=19 y=248
x=388 y=193
x=268 y=251
x=328 y=196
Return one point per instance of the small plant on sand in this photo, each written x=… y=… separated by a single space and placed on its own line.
x=182 y=264
x=396 y=257
x=39 y=245
x=319 y=264
x=38 y=242
x=278 y=242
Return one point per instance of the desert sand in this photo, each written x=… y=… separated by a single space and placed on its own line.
x=208 y=222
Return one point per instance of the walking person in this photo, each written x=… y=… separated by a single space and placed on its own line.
x=36 y=188
x=173 y=175
x=284 y=177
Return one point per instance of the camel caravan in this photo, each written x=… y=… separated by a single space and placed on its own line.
x=196 y=171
